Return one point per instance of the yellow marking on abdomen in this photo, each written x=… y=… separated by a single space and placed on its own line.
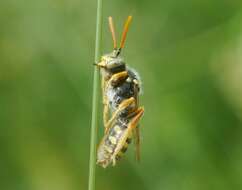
x=108 y=149
x=117 y=129
x=112 y=139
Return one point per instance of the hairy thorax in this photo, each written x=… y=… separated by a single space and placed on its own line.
x=126 y=89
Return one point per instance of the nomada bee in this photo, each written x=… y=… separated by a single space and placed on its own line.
x=120 y=88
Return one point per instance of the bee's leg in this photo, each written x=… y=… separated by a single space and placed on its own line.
x=113 y=81
x=114 y=161
x=118 y=78
x=105 y=115
x=136 y=134
x=131 y=126
x=105 y=105
x=124 y=104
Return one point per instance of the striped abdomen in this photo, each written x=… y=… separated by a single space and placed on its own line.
x=109 y=143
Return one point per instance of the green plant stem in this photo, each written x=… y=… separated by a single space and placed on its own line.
x=93 y=141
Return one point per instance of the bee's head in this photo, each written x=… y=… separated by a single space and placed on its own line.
x=113 y=63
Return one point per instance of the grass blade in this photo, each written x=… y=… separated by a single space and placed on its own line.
x=93 y=141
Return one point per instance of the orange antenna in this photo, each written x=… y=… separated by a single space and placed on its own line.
x=111 y=27
x=126 y=28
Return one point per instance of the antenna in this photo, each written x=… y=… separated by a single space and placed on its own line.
x=111 y=27
x=125 y=31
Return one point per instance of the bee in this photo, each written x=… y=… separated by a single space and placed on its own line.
x=121 y=112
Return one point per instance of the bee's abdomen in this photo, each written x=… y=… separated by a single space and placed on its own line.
x=110 y=142
x=114 y=136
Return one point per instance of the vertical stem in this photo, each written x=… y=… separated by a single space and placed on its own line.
x=92 y=161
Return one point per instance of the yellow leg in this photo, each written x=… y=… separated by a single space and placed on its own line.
x=136 y=132
x=105 y=104
x=118 y=78
x=114 y=80
x=105 y=115
x=136 y=135
x=131 y=126
x=124 y=104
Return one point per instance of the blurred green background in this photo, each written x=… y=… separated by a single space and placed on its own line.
x=189 y=54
